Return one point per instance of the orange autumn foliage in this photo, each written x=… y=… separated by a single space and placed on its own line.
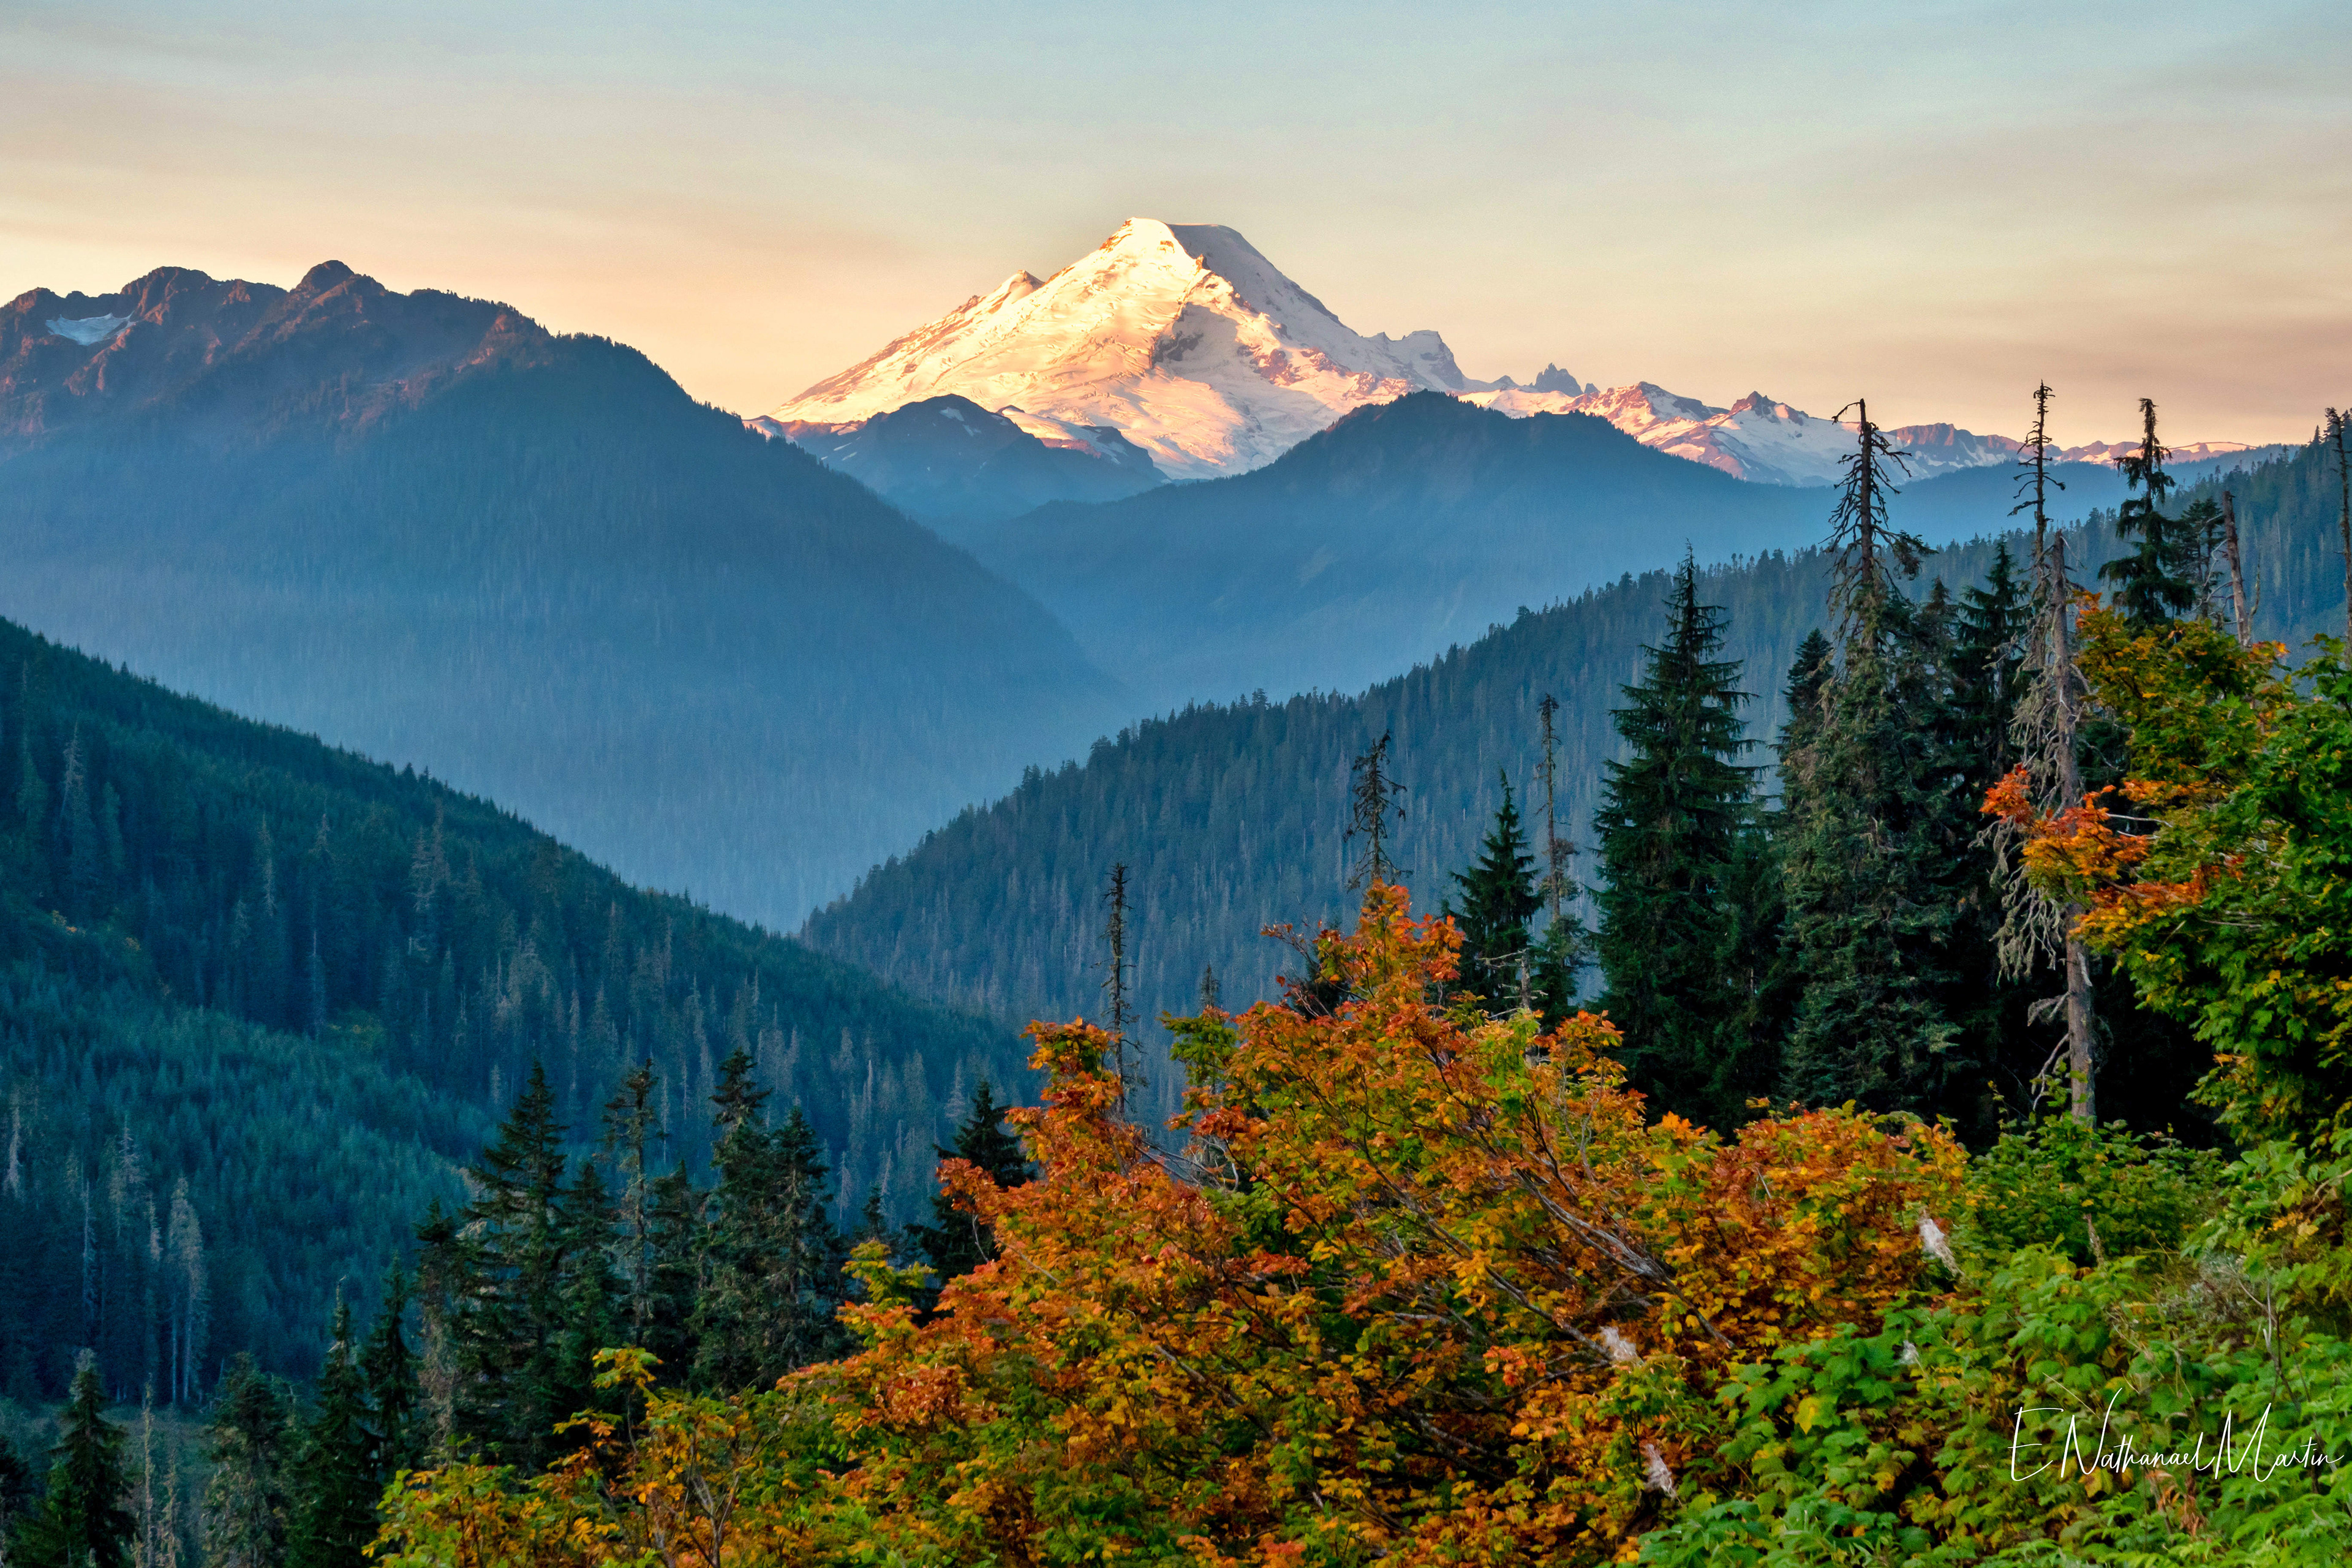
x=1425 y=1287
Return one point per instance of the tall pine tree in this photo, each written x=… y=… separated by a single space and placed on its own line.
x=1498 y=900
x=956 y=1241
x=508 y=1277
x=2158 y=581
x=1670 y=827
x=82 y=1522
x=337 y=1483
x=249 y=1443
x=771 y=1257
x=1866 y=795
x=388 y=1367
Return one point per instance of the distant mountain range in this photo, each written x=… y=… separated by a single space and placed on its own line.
x=1409 y=527
x=425 y=527
x=1770 y=442
x=1186 y=341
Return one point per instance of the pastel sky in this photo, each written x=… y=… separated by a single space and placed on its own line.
x=1931 y=204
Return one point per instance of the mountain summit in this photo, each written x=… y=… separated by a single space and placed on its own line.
x=1182 y=336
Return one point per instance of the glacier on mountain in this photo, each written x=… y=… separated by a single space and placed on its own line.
x=87 y=329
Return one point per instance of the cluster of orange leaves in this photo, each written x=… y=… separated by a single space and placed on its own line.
x=2197 y=705
x=1423 y=1287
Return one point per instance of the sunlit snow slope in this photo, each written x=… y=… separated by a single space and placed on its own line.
x=1180 y=335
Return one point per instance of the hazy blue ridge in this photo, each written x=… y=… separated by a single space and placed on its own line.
x=306 y=984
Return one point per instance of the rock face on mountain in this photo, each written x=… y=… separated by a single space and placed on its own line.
x=238 y=358
x=949 y=462
x=1180 y=335
x=426 y=528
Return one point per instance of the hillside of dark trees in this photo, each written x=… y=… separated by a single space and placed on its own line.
x=259 y=996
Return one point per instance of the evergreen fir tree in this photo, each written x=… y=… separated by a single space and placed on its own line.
x=1987 y=664
x=82 y=1522
x=674 y=1272
x=1866 y=795
x=389 y=1370
x=513 y=1357
x=337 y=1484
x=249 y=1443
x=1498 y=900
x=2158 y=581
x=1670 y=829
x=770 y=1258
x=590 y=1312
x=956 y=1242
x=631 y=1126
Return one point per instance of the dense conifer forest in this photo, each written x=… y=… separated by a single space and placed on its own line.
x=260 y=999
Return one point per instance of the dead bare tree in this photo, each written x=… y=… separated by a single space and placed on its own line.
x=1557 y=851
x=2037 y=928
x=2242 y=612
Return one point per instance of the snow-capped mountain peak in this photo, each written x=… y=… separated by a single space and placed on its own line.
x=1182 y=336
x=1185 y=341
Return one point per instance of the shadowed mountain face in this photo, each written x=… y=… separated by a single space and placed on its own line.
x=950 y=463
x=424 y=527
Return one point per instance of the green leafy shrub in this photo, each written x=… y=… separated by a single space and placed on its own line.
x=2090 y=1192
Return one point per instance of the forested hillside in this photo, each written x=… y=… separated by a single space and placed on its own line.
x=427 y=529
x=258 y=996
x=1233 y=817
